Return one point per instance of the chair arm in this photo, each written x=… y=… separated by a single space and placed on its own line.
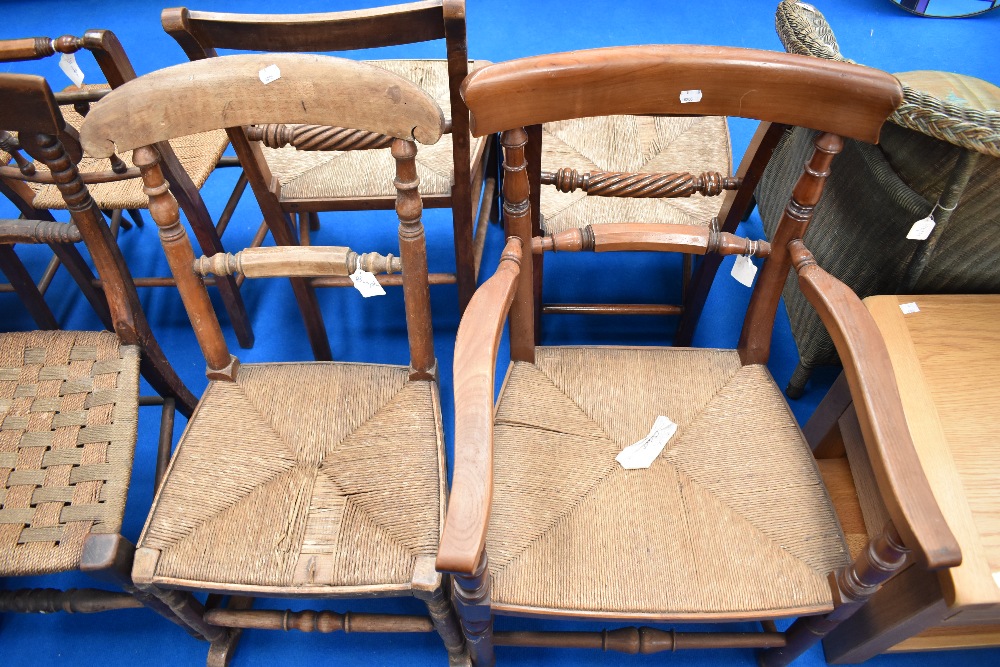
x=692 y=239
x=38 y=231
x=903 y=486
x=464 y=536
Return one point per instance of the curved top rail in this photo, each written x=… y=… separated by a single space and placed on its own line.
x=230 y=91
x=848 y=100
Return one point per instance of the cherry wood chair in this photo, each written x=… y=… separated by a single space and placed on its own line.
x=732 y=521
x=303 y=170
x=113 y=183
x=316 y=479
x=69 y=400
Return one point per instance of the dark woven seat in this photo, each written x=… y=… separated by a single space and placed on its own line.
x=730 y=521
x=632 y=144
x=336 y=497
x=68 y=411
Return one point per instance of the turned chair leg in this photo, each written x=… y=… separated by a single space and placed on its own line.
x=221 y=650
x=852 y=586
x=108 y=558
x=471 y=596
x=429 y=586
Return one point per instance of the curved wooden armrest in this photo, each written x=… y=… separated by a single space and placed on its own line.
x=38 y=231
x=283 y=261
x=903 y=486
x=464 y=534
x=690 y=239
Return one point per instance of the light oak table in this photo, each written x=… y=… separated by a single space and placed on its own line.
x=946 y=357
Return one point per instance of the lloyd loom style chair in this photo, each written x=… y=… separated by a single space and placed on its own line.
x=732 y=522
x=305 y=170
x=315 y=479
x=69 y=400
x=114 y=183
x=939 y=155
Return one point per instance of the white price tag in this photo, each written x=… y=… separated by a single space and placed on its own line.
x=996 y=578
x=744 y=271
x=690 y=96
x=909 y=308
x=366 y=283
x=921 y=229
x=269 y=74
x=643 y=453
x=67 y=63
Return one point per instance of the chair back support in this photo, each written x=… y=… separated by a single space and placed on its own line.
x=771 y=87
x=227 y=92
x=201 y=33
x=851 y=101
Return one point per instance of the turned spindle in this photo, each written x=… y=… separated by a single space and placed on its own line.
x=9 y=143
x=284 y=261
x=317 y=137
x=636 y=185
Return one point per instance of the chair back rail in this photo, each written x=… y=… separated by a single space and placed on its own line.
x=652 y=80
x=201 y=33
x=228 y=92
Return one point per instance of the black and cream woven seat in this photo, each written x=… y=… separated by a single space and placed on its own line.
x=68 y=419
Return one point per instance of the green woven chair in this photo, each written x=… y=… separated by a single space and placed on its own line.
x=939 y=155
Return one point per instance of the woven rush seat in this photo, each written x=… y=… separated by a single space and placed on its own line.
x=369 y=173
x=68 y=419
x=572 y=531
x=343 y=491
x=632 y=144
x=198 y=154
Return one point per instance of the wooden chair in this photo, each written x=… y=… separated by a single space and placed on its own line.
x=69 y=401
x=622 y=168
x=115 y=186
x=732 y=521
x=306 y=170
x=338 y=467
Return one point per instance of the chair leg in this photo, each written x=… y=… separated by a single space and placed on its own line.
x=471 y=596
x=108 y=558
x=26 y=289
x=852 y=586
x=221 y=651
x=429 y=585
x=797 y=384
x=77 y=267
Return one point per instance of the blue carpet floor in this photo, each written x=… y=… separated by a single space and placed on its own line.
x=870 y=31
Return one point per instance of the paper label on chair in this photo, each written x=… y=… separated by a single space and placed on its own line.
x=690 y=96
x=67 y=63
x=996 y=578
x=921 y=229
x=643 y=453
x=269 y=74
x=366 y=283
x=909 y=308
x=744 y=270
